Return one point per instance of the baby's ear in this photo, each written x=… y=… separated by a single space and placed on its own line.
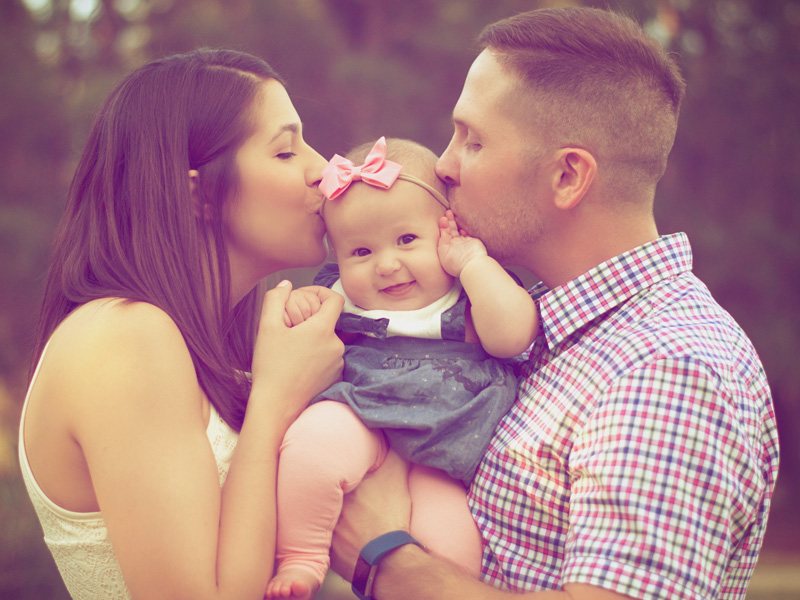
x=201 y=209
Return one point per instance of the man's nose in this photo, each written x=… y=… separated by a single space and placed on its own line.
x=447 y=166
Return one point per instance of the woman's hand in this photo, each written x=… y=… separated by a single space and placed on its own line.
x=379 y=504
x=297 y=363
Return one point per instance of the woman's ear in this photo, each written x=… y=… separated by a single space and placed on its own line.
x=577 y=168
x=201 y=209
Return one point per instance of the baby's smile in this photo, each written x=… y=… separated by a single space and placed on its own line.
x=399 y=289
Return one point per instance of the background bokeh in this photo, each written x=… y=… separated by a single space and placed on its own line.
x=358 y=69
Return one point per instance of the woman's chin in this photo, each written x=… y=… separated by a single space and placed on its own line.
x=316 y=258
x=310 y=257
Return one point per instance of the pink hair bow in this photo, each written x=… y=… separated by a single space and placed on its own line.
x=376 y=170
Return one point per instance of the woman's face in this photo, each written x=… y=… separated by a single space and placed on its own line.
x=274 y=222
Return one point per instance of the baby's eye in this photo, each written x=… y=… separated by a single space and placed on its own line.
x=406 y=239
x=361 y=252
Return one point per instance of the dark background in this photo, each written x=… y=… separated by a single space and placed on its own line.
x=358 y=69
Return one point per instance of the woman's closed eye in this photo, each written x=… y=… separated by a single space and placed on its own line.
x=286 y=155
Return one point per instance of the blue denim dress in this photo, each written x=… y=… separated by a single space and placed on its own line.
x=437 y=400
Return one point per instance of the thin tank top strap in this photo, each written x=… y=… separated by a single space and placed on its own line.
x=22 y=452
x=25 y=466
x=30 y=387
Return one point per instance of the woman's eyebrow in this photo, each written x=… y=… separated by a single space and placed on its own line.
x=292 y=127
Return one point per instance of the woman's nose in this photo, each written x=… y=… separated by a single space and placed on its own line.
x=447 y=166
x=315 y=165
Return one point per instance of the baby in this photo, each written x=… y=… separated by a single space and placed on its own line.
x=426 y=312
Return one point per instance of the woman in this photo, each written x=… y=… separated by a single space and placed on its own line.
x=195 y=184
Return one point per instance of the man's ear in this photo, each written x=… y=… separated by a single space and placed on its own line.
x=201 y=210
x=577 y=168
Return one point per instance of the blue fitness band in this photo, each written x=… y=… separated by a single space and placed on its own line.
x=370 y=558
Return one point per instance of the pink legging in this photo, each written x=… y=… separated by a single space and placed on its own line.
x=324 y=455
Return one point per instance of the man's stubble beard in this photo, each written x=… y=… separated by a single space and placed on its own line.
x=509 y=233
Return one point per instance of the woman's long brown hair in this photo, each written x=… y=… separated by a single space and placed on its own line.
x=132 y=227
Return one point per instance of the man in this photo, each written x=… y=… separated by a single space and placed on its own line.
x=641 y=455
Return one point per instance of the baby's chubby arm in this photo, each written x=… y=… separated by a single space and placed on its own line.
x=304 y=302
x=503 y=313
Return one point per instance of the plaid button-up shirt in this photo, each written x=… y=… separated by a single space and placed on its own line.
x=642 y=451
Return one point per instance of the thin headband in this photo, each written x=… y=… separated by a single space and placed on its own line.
x=376 y=171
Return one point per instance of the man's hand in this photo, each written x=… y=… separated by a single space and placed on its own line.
x=379 y=504
x=456 y=248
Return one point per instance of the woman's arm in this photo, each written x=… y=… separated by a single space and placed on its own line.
x=137 y=416
x=291 y=365
x=503 y=313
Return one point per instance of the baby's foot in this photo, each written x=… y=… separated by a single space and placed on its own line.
x=297 y=584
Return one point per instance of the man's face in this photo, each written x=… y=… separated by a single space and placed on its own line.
x=491 y=164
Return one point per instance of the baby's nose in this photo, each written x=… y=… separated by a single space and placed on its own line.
x=387 y=264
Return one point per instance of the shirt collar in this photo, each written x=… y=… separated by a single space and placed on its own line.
x=569 y=307
x=425 y=322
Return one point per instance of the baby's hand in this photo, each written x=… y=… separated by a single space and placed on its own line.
x=456 y=248
x=302 y=303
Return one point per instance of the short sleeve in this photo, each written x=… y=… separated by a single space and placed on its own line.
x=664 y=484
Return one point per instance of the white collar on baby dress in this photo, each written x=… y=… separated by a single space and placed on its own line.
x=425 y=322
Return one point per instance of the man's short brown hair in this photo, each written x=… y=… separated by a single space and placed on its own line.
x=594 y=79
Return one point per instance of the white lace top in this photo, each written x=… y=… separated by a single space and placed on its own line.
x=79 y=541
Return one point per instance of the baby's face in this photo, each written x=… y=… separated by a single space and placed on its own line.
x=386 y=246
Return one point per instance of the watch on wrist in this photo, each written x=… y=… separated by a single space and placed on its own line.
x=370 y=558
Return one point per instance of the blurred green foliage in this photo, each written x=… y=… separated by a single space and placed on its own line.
x=358 y=69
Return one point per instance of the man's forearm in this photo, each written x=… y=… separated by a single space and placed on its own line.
x=410 y=572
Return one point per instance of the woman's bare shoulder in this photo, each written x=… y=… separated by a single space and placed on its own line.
x=119 y=323
x=118 y=314
x=109 y=366
x=113 y=335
